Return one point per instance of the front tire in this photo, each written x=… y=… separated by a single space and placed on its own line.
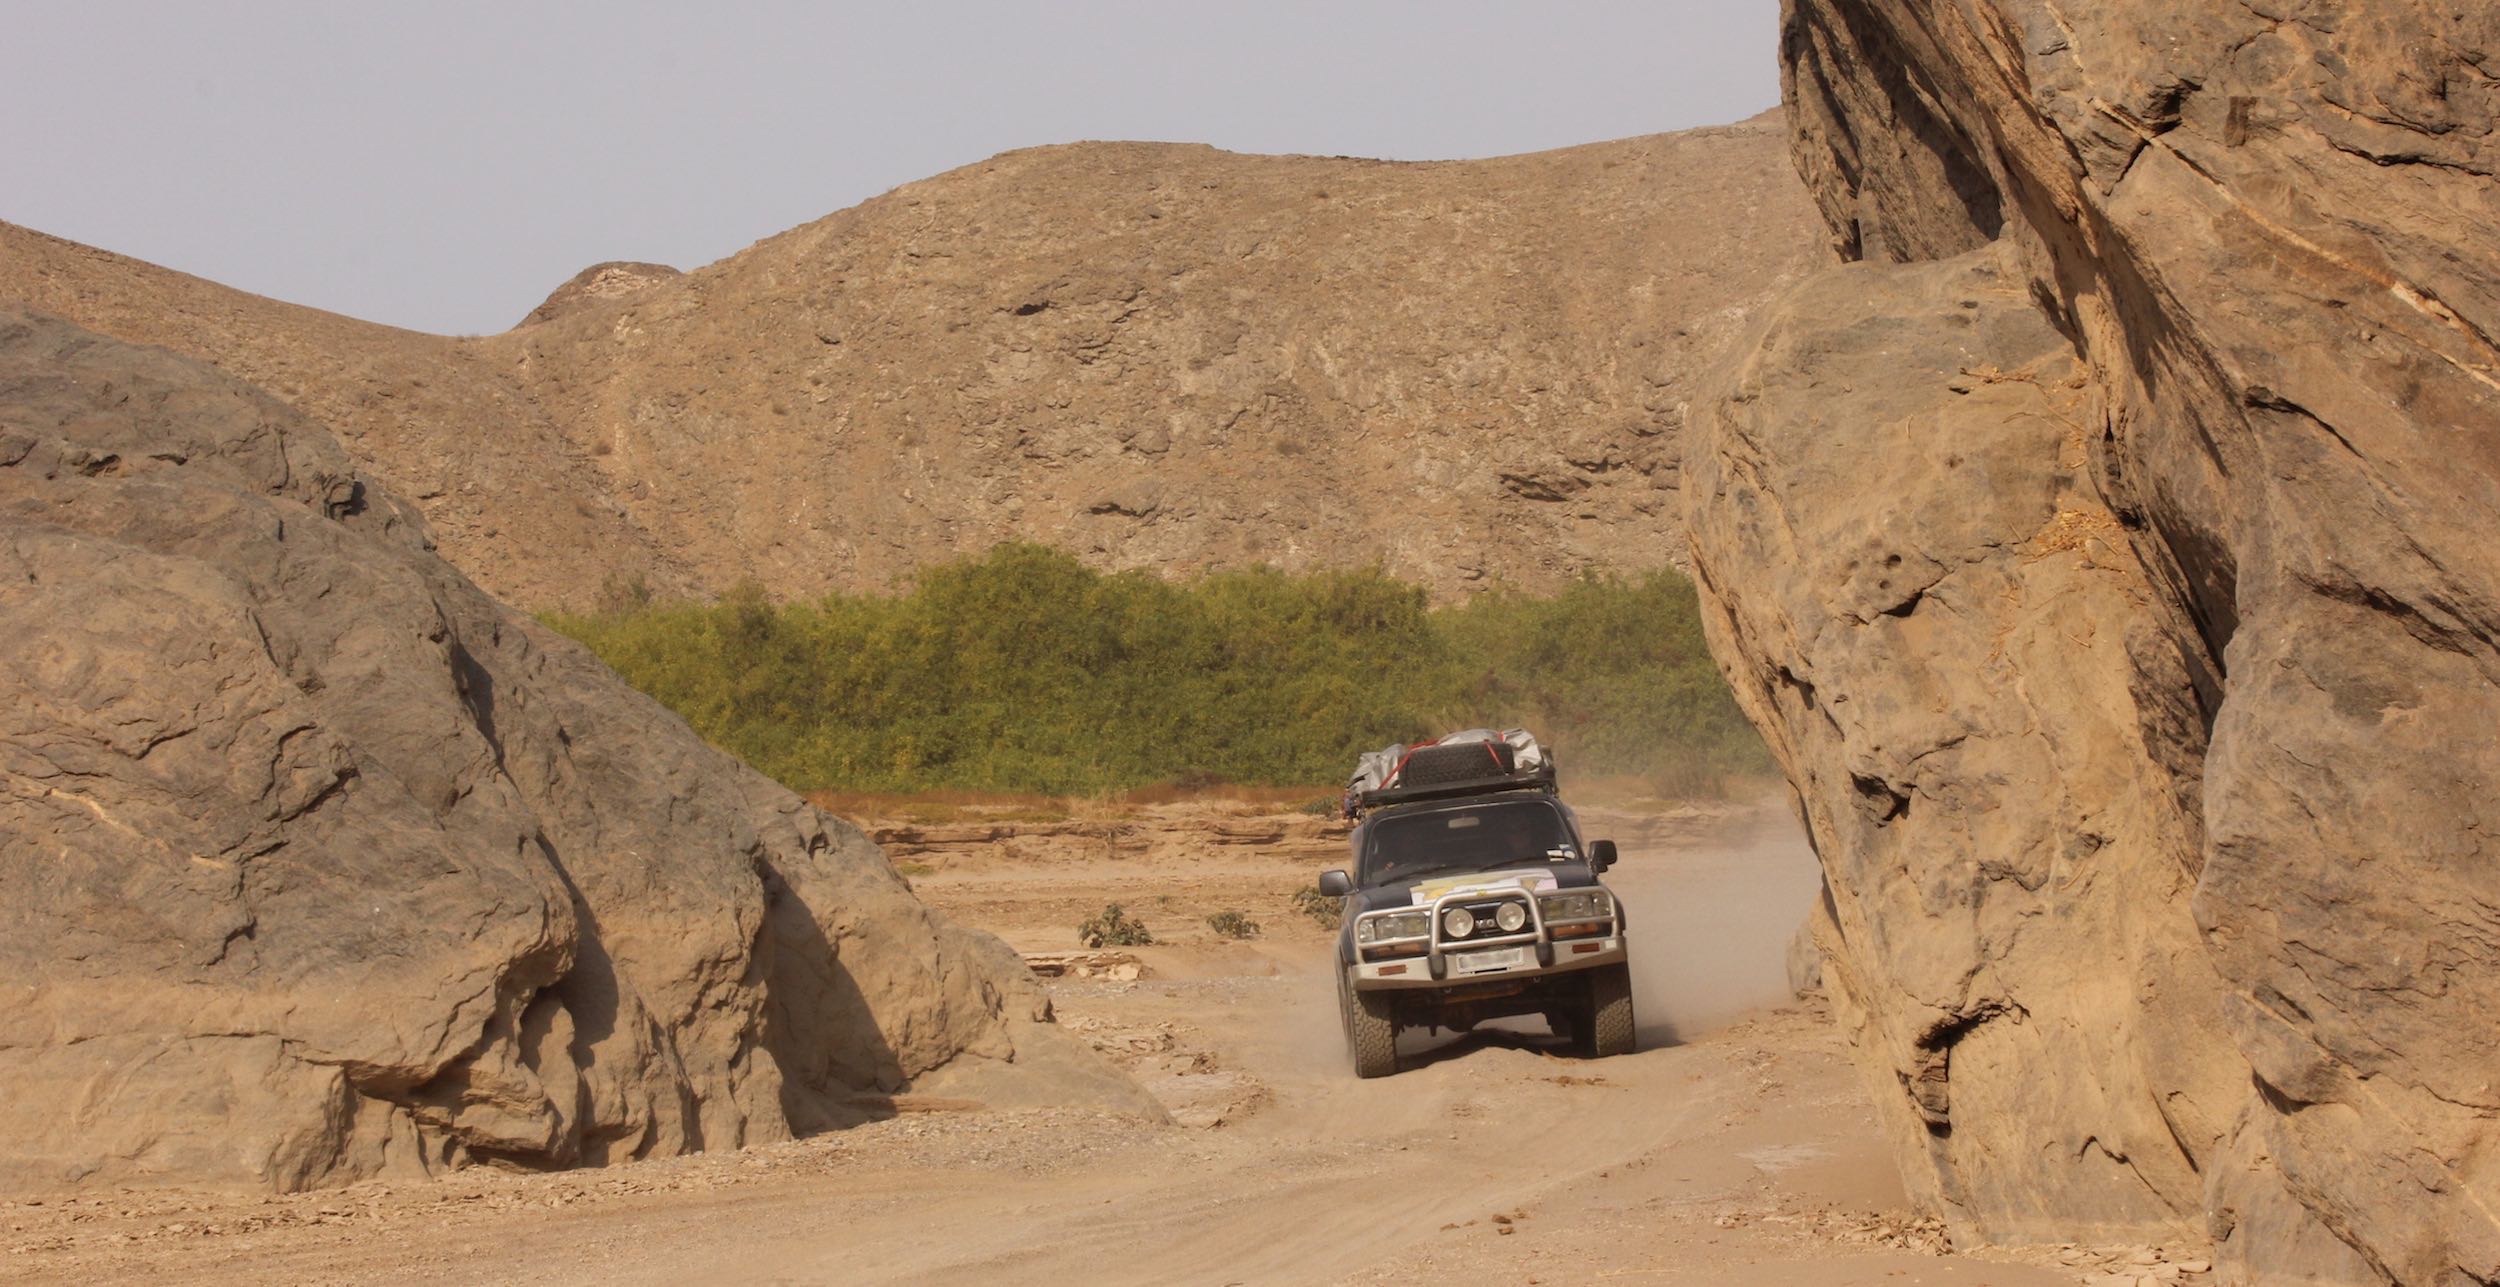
x=1371 y=1028
x=1604 y=1028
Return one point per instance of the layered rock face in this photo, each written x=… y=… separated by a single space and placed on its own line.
x=1154 y=355
x=2108 y=551
x=318 y=864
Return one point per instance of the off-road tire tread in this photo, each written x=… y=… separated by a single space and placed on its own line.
x=1371 y=1030
x=1608 y=1030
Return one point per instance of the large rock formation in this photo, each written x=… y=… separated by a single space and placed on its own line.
x=1154 y=355
x=316 y=863
x=2108 y=552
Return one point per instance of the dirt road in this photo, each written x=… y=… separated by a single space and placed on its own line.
x=1735 y=1147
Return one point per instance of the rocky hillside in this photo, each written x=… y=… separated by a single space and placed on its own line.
x=316 y=863
x=1159 y=356
x=2107 y=551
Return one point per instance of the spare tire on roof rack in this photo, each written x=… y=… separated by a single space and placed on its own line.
x=1463 y=763
x=1441 y=764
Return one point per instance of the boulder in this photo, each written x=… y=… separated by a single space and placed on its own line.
x=317 y=864
x=2106 y=549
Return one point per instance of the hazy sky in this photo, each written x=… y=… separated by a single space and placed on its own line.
x=443 y=165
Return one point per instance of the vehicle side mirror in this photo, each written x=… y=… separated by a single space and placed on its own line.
x=1601 y=854
x=1335 y=884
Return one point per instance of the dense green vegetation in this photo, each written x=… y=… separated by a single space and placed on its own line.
x=1026 y=671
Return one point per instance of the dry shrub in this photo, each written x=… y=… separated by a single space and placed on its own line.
x=1233 y=925
x=1318 y=906
x=1113 y=928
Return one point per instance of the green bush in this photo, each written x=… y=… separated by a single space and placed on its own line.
x=1113 y=928
x=1323 y=908
x=1612 y=671
x=1233 y=925
x=1025 y=671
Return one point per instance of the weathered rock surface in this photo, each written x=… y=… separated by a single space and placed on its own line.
x=2108 y=554
x=616 y=279
x=316 y=863
x=1154 y=355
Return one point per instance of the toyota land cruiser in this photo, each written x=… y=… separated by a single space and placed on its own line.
x=1471 y=898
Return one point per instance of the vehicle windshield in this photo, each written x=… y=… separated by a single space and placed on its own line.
x=1477 y=838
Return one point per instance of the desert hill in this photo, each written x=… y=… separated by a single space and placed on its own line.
x=1159 y=356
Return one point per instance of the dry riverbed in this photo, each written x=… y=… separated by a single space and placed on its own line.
x=1736 y=1147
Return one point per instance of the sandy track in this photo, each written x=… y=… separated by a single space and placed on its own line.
x=1742 y=1153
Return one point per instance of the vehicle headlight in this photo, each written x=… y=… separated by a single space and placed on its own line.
x=1392 y=925
x=1458 y=922
x=1512 y=917
x=1578 y=905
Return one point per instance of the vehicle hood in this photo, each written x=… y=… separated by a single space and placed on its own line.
x=1536 y=879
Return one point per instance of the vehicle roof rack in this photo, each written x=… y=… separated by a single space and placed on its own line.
x=1540 y=778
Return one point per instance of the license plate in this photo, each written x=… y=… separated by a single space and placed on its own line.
x=1488 y=962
